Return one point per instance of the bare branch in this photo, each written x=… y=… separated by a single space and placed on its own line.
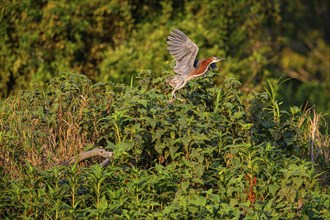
x=92 y=153
x=105 y=162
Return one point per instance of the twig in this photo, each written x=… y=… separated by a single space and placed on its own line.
x=105 y=162
x=92 y=153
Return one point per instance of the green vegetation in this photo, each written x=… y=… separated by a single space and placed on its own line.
x=248 y=142
x=209 y=157
x=114 y=40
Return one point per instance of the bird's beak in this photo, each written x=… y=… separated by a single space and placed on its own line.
x=219 y=59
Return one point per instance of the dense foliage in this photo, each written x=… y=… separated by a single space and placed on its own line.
x=237 y=147
x=114 y=40
x=208 y=157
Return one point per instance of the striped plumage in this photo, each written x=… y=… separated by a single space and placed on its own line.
x=185 y=51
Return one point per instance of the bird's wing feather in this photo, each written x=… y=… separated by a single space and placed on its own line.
x=183 y=50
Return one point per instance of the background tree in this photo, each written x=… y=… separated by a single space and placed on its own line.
x=114 y=40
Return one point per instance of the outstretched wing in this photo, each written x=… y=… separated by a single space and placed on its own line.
x=183 y=50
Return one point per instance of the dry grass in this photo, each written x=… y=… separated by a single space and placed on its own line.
x=314 y=128
x=319 y=144
x=318 y=141
x=42 y=144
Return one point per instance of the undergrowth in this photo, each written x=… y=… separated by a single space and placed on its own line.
x=208 y=157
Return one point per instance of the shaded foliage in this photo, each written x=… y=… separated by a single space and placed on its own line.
x=115 y=40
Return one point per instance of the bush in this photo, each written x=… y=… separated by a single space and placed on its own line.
x=208 y=157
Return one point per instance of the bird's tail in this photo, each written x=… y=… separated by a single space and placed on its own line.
x=169 y=80
x=174 y=81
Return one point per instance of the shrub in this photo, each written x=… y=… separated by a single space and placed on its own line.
x=208 y=157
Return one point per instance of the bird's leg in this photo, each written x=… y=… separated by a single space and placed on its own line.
x=177 y=83
x=173 y=96
x=182 y=100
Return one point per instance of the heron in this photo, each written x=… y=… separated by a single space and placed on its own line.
x=187 y=67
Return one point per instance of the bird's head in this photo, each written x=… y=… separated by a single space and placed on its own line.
x=214 y=60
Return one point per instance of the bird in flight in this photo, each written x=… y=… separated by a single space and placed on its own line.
x=187 y=67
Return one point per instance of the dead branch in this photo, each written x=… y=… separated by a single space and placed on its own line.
x=88 y=154
x=105 y=162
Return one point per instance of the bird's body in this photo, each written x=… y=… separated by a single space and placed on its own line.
x=185 y=51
